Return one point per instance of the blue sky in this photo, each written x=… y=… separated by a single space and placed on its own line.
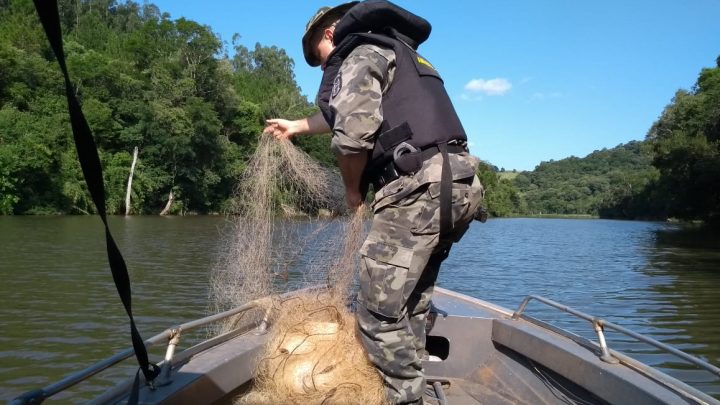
x=531 y=80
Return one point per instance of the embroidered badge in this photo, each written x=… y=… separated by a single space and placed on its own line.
x=337 y=85
x=425 y=62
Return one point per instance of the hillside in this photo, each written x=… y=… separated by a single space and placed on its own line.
x=605 y=183
x=586 y=185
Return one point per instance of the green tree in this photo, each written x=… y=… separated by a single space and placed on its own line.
x=686 y=142
x=144 y=81
x=592 y=185
x=501 y=196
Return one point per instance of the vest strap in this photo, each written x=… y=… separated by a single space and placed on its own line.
x=393 y=170
x=446 y=222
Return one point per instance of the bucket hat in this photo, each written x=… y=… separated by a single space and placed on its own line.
x=322 y=16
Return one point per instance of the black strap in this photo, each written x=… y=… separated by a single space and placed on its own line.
x=430 y=152
x=392 y=137
x=446 y=222
x=393 y=170
x=92 y=171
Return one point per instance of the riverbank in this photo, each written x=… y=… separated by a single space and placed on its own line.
x=555 y=216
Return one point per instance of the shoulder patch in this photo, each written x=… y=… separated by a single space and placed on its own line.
x=337 y=85
x=425 y=62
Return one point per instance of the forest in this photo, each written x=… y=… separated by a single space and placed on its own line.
x=167 y=87
x=672 y=173
x=194 y=107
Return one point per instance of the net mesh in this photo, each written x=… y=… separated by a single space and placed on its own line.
x=284 y=235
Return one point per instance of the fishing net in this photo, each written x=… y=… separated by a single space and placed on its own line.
x=313 y=356
x=264 y=236
x=284 y=235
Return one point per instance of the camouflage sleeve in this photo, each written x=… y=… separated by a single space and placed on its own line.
x=356 y=97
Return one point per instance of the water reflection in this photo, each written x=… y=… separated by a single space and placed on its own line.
x=689 y=259
x=654 y=278
x=60 y=311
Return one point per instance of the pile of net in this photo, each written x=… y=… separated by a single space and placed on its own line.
x=314 y=357
x=285 y=234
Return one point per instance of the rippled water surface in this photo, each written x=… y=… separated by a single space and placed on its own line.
x=60 y=310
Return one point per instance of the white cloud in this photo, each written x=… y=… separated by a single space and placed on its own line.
x=492 y=87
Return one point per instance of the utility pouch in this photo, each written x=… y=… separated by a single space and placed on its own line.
x=385 y=175
x=409 y=163
x=393 y=137
x=407 y=158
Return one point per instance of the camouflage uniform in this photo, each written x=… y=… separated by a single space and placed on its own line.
x=403 y=251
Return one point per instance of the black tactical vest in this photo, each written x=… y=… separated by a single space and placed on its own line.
x=416 y=108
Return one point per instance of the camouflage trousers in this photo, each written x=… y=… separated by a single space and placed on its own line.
x=400 y=260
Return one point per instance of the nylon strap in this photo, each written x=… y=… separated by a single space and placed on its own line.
x=92 y=171
x=446 y=222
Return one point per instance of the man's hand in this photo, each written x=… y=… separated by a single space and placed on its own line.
x=354 y=200
x=286 y=129
x=281 y=128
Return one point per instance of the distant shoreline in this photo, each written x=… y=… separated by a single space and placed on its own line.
x=558 y=216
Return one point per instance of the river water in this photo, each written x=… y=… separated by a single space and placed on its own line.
x=60 y=311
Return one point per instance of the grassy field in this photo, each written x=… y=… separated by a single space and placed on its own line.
x=507 y=175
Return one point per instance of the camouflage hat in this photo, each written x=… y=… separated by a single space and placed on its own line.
x=324 y=14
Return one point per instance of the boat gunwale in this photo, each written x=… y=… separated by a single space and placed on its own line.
x=168 y=335
x=650 y=372
x=185 y=355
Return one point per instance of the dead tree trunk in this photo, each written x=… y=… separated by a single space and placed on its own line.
x=129 y=186
x=171 y=198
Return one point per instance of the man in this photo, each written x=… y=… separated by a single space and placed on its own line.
x=393 y=126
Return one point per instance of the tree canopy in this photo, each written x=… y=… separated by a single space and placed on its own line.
x=165 y=86
x=686 y=146
x=572 y=186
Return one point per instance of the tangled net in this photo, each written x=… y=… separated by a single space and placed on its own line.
x=313 y=355
x=280 y=180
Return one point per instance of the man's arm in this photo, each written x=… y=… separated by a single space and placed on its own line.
x=363 y=77
x=351 y=169
x=286 y=129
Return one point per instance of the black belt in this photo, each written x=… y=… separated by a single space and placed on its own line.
x=390 y=172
